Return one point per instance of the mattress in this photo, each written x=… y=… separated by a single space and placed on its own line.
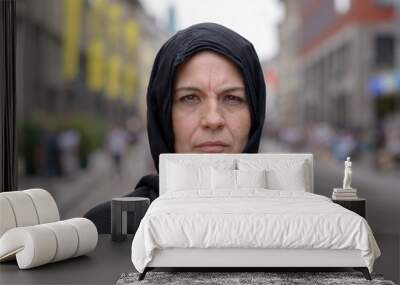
x=250 y=218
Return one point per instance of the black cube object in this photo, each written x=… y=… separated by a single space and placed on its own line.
x=119 y=211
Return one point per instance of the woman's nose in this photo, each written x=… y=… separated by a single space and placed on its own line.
x=212 y=116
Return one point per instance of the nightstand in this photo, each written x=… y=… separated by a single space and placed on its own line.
x=357 y=205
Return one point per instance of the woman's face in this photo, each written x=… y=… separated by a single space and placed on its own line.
x=210 y=112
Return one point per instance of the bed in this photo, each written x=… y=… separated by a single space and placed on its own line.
x=246 y=211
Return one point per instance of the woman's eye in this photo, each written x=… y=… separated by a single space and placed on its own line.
x=234 y=99
x=190 y=99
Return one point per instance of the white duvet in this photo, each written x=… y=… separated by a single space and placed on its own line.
x=251 y=218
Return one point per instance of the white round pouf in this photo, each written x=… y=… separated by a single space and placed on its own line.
x=40 y=244
x=30 y=230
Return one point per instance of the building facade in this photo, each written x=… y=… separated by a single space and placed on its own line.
x=81 y=56
x=339 y=66
x=341 y=49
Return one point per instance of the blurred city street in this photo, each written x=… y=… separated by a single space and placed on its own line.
x=98 y=183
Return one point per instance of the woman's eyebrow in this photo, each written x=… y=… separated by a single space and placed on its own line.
x=223 y=90
x=187 y=88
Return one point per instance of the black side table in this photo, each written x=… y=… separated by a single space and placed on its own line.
x=358 y=206
x=119 y=212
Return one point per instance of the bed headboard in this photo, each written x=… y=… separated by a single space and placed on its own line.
x=210 y=157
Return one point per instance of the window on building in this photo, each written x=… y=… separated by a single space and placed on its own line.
x=385 y=51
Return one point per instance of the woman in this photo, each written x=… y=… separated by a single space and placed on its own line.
x=206 y=94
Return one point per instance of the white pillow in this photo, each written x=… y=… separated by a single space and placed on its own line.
x=223 y=179
x=202 y=160
x=251 y=178
x=295 y=180
x=181 y=177
x=229 y=179
x=281 y=174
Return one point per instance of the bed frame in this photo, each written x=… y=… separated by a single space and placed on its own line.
x=248 y=259
x=245 y=259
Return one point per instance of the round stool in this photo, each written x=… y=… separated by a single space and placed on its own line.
x=119 y=209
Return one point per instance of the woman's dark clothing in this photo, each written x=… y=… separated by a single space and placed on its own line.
x=101 y=214
x=177 y=50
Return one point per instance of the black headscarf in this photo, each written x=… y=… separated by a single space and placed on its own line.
x=179 y=48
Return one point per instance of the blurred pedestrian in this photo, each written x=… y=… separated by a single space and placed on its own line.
x=69 y=142
x=52 y=154
x=117 y=144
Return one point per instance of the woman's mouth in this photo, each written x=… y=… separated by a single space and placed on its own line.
x=212 y=146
